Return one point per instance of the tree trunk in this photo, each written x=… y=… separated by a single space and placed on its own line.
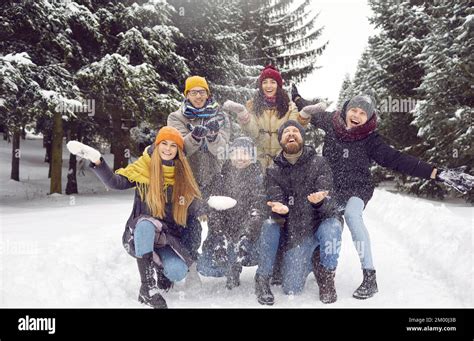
x=15 y=175
x=71 y=186
x=5 y=134
x=47 y=155
x=120 y=143
x=56 y=154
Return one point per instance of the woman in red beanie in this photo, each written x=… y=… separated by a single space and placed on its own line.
x=265 y=113
x=158 y=230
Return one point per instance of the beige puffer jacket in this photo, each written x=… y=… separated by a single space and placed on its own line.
x=263 y=130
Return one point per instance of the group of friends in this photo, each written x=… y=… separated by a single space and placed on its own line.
x=270 y=200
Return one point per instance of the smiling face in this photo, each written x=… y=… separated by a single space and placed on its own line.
x=241 y=158
x=167 y=150
x=355 y=117
x=269 y=87
x=197 y=96
x=291 y=140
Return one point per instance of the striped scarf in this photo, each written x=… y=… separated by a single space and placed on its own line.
x=209 y=110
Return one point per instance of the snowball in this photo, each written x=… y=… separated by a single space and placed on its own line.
x=221 y=203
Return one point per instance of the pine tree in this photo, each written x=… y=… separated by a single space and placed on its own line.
x=210 y=45
x=346 y=91
x=283 y=33
x=38 y=30
x=444 y=115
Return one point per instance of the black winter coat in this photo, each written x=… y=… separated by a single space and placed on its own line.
x=246 y=187
x=291 y=184
x=351 y=161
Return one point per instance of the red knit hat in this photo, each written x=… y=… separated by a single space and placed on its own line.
x=271 y=71
x=170 y=133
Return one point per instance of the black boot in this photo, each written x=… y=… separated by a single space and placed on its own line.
x=161 y=280
x=233 y=277
x=327 y=288
x=316 y=265
x=277 y=277
x=149 y=294
x=368 y=288
x=262 y=290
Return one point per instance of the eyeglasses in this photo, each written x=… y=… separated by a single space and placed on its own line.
x=194 y=93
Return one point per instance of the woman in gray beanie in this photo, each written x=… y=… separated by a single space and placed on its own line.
x=350 y=145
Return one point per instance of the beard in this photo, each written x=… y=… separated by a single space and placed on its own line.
x=293 y=148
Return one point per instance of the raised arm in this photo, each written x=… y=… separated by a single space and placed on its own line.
x=389 y=157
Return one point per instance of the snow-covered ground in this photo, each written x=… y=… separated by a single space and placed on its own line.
x=65 y=251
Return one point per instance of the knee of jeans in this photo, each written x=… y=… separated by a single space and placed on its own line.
x=331 y=229
x=175 y=270
x=352 y=216
x=144 y=227
x=270 y=226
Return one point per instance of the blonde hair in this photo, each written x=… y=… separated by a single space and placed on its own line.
x=185 y=188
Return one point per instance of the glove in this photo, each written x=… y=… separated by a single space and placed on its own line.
x=199 y=132
x=242 y=249
x=294 y=93
x=84 y=151
x=236 y=108
x=213 y=126
x=219 y=258
x=456 y=178
x=313 y=110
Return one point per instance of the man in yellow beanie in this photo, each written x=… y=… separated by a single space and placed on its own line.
x=204 y=127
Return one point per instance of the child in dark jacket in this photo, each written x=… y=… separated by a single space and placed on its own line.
x=236 y=214
x=351 y=145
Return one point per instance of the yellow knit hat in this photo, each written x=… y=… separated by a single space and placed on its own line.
x=170 y=133
x=195 y=81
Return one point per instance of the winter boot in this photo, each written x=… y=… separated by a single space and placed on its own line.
x=316 y=265
x=368 y=288
x=233 y=277
x=262 y=290
x=149 y=294
x=327 y=288
x=277 y=277
x=162 y=281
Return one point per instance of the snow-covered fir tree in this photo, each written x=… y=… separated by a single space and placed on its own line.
x=210 y=44
x=281 y=32
x=444 y=115
x=346 y=91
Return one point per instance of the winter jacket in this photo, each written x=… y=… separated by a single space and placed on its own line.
x=351 y=160
x=246 y=187
x=291 y=184
x=204 y=157
x=263 y=129
x=174 y=233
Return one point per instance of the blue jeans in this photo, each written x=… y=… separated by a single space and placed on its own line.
x=144 y=238
x=297 y=262
x=360 y=235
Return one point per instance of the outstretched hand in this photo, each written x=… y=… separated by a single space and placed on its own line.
x=84 y=151
x=278 y=207
x=316 y=198
x=313 y=109
x=457 y=179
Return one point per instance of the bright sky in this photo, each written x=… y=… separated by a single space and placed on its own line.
x=347 y=28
